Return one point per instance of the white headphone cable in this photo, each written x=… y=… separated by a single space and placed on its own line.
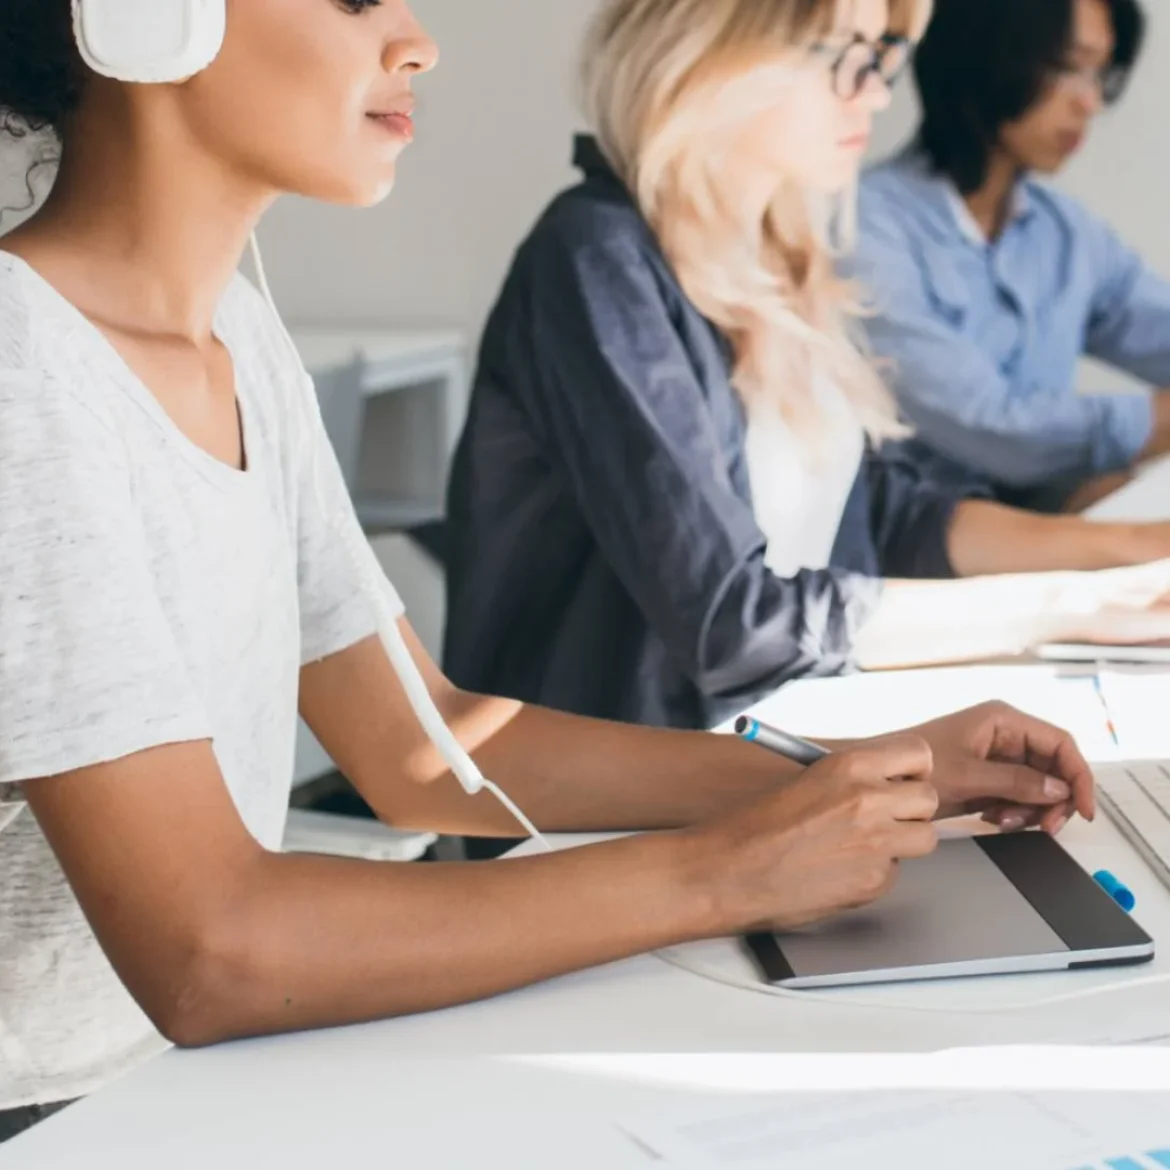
x=461 y=764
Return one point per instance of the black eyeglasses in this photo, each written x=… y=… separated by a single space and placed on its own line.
x=861 y=59
x=1109 y=82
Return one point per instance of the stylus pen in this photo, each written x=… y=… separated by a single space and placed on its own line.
x=799 y=751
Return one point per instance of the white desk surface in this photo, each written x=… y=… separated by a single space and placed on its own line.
x=252 y=1108
x=393 y=1089
x=1147 y=497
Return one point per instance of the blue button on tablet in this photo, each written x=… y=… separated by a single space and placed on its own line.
x=1117 y=890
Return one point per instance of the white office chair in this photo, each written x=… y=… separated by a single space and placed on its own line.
x=341 y=836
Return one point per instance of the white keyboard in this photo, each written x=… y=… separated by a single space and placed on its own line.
x=1137 y=798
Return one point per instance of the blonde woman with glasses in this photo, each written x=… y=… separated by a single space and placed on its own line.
x=670 y=495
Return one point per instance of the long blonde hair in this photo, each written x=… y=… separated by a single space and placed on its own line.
x=652 y=69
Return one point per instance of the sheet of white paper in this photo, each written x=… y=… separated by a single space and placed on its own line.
x=874 y=704
x=1147 y=497
x=916 y=1131
x=1138 y=699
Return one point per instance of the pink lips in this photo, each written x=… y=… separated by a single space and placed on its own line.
x=399 y=124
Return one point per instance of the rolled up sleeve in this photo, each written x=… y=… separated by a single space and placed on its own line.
x=910 y=517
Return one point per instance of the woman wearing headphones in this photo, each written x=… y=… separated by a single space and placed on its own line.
x=666 y=500
x=179 y=566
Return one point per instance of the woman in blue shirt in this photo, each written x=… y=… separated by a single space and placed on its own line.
x=666 y=500
x=989 y=286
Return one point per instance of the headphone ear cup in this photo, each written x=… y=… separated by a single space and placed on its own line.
x=149 y=41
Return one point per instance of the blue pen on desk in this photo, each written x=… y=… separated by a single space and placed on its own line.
x=1099 y=687
x=799 y=751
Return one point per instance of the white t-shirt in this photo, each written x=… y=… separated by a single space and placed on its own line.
x=149 y=594
x=801 y=484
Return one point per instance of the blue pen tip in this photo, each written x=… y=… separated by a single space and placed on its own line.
x=748 y=728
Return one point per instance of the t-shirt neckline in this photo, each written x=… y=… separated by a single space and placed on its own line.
x=203 y=461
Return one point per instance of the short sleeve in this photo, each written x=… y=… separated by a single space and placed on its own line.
x=337 y=568
x=89 y=669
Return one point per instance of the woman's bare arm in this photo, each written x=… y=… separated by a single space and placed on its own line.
x=565 y=772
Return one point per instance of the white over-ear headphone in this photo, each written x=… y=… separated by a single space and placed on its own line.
x=152 y=41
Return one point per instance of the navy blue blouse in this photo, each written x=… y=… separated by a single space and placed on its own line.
x=604 y=555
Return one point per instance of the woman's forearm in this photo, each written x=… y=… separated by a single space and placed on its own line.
x=987 y=538
x=918 y=623
x=565 y=772
x=313 y=941
x=922 y=622
x=569 y=773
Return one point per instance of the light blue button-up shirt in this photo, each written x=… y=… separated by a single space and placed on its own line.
x=980 y=341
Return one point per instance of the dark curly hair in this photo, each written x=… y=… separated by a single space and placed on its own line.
x=40 y=81
x=40 y=68
x=984 y=63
